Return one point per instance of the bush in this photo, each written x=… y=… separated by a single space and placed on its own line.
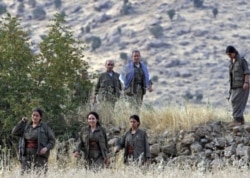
x=20 y=8
x=198 y=3
x=95 y=42
x=156 y=31
x=123 y=56
x=2 y=9
x=39 y=13
x=126 y=8
x=215 y=12
x=32 y=3
x=171 y=14
x=58 y=3
x=155 y=78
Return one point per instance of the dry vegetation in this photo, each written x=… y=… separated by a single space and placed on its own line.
x=154 y=120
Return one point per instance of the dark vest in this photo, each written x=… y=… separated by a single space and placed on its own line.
x=236 y=73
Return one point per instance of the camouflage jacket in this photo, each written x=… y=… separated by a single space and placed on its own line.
x=108 y=86
x=45 y=137
x=139 y=142
x=100 y=136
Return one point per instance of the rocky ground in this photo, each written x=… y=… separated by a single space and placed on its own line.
x=186 y=55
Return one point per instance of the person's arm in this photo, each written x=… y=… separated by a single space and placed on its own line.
x=79 y=146
x=120 y=144
x=18 y=130
x=51 y=138
x=246 y=74
x=97 y=87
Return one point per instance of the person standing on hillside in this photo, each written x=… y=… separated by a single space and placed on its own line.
x=36 y=141
x=239 y=84
x=135 y=143
x=108 y=87
x=136 y=79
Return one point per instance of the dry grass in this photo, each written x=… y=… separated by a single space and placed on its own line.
x=156 y=120
x=172 y=118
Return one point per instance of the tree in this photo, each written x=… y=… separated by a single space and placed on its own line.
x=16 y=58
x=61 y=74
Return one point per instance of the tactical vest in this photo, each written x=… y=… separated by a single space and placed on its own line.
x=236 y=73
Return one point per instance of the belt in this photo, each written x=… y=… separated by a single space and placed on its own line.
x=93 y=145
x=31 y=143
x=130 y=150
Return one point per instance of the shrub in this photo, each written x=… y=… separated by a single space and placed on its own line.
x=123 y=56
x=155 y=78
x=156 y=31
x=95 y=42
x=39 y=13
x=126 y=8
x=215 y=11
x=119 y=30
x=171 y=14
x=32 y=3
x=20 y=8
x=198 y=3
x=2 y=8
x=58 y=3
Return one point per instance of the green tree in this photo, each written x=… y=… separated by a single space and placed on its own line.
x=16 y=58
x=61 y=74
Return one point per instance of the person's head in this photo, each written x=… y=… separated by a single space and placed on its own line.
x=231 y=52
x=93 y=119
x=36 y=115
x=134 y=121
x=109 y=64
x=136 y=56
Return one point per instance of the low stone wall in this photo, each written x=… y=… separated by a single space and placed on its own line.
x=213 y=145
x=208 y=146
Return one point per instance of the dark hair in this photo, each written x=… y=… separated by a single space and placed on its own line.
x=231 y=49
x=136 y=51
x=40 y=111
x=135 y=117
x=96 y=116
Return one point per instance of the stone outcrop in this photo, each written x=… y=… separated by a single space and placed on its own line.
x=213 y=145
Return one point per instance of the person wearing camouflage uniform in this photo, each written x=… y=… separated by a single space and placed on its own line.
x=135 y=142
x=239 y=84
x=108 y=86
x=136 y=80
x=93 y=143
x=36 y=141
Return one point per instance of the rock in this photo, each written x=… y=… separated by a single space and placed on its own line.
x=229 y=151
x=220 y=142
x=188 y=139
x=103 y=5
x=196 y=147
x=169 y=149
x=157 y=43
x=155 y=150
x=242 y=150
x=217 y=163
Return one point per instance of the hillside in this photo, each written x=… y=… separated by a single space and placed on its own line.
x=187 y=60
